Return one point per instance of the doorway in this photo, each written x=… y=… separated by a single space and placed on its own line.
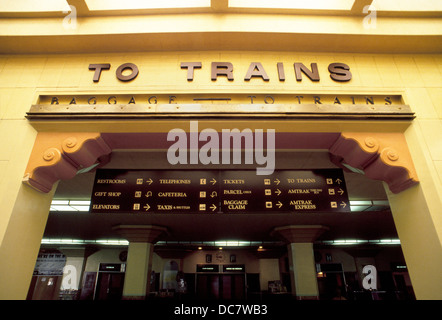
x=331 y=282
x=110 y=281
x=44 y=288
x=109 y=286
x=220 y=286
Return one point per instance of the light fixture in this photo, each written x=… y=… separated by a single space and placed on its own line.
x=70 y=205
x=94 y=5
x=368 y=205
x=108 y=242
x=341 y=242
x=293 y=4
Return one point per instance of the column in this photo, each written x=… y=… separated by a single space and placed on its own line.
x=268 y=271
x=419 y=228
x=139 y=258
x=301 y=258
x=21 y=241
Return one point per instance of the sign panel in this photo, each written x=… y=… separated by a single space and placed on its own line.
x=112 y=267
x=50 y=264
x=234 y=268
x=219 y=191
x=155 y=191
x=286 y=190
x=207 y=268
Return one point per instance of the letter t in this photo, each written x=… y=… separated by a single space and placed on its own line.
x=98 y=68
x=190 y=66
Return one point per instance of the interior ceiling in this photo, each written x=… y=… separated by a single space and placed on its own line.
x=212 y=227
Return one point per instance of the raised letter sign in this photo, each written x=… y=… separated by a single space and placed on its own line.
x=190 y=66
x=129 y=77
x=222 y=68
x=281 y=73
x=313 y=74
x=98 y=68
x=339 y=72
x=256 y=70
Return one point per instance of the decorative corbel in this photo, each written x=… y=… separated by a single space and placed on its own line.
x=59 y=156
x=380 y=156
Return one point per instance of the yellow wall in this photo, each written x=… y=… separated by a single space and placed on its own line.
x=416 y=77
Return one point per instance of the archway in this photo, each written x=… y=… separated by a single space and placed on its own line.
x=382 y=156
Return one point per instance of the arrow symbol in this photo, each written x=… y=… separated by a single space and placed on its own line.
x=213 y=181
x=213 y=207
x=340 y=191
x=277 y=181
x=148 y=194
x=147 y=207
x=149 y=181
x=338 y=181
x=279 y=204
x=214 y=194
x=343 y=204
x=278 y=192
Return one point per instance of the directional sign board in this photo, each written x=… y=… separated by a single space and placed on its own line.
x=155 y=191
x=284 y=190
x=219 y=191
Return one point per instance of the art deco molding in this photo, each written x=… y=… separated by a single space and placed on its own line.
x=379 y=156
x=60 y=156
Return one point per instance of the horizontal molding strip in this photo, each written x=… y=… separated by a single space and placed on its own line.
x=124 y=111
